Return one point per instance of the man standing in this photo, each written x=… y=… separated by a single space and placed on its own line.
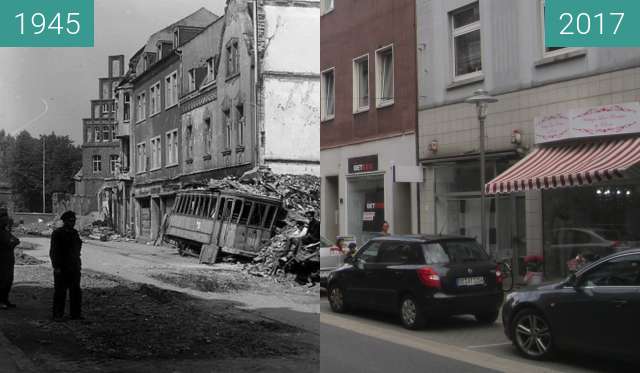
x=7 y=259
x=65 y=258
x=385 y=229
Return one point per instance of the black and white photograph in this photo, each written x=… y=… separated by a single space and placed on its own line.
x=159 y=192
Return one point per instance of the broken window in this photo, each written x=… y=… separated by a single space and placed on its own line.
x=223 y=202
x=227 y=129
x=270 y=214
x=233 y=62
x=127 y=106
x=246 y=210
x=257 y=215
x=105 y=133
x=237 y=209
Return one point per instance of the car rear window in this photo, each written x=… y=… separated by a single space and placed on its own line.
x=464 y=251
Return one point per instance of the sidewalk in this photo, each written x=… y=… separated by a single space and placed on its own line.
x=12 y=359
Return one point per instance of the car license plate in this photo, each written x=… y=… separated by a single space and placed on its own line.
x=470 y=281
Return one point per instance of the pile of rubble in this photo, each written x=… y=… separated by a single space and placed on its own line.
x=299 y=194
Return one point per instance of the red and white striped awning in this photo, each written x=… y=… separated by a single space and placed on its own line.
x=570 y=165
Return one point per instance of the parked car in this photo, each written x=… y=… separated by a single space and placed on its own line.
x=594 y=310
x=419 y=277
x=329 y=260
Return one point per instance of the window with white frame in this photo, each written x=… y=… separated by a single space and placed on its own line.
x=114 y=162
x=547 y=50
x=465 y=30
x=141 y=157
x=156 y=153
x=361 y=84
x=326 y=6
x=97 y=163
x=172 y=147
x=192 y=80
x=227 y=129
x=171 y=89
x=126 y=107
x=207 y=135
x=155 y=98
x=105 y=108
x=384 y=76
x=141 y=107
x=328 y=99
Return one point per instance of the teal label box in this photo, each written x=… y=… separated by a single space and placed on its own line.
x=592 y=23
x=46 y=23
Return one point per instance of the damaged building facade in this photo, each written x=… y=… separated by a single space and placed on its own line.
x=100 y=146
x=193 y=106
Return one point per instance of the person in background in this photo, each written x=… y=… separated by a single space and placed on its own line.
x=65 y=258
x=385 y=229
x=351 y=251
x=338 y=247
x=8 y=243
x=313 y=230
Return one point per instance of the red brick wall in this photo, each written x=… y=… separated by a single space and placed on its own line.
x=356 y=27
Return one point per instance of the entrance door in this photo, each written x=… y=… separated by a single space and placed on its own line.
x=145 y=217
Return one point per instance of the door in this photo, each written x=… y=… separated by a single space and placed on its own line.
x=395 y=274
x=359 y=286
x=224 y=221
x=598 y=313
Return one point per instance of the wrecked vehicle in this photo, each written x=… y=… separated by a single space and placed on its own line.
x=209 y=221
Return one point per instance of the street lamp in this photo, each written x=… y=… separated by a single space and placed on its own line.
x=482 y=99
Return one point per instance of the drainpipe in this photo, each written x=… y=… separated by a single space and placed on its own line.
x=255 y=84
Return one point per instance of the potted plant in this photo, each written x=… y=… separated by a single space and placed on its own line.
x=533 y=264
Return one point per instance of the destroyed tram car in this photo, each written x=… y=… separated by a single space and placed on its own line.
x=209 y=221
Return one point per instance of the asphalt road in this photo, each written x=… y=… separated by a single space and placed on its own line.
x=345 y=351
x=371 y=340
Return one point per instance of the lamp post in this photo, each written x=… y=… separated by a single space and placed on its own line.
x=482 y=99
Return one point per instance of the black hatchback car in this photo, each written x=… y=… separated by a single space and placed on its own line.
x=419 y=277
x=596 y=310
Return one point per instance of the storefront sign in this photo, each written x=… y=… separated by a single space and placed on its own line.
x=408 y=174
x=617 y=119
x=368 y=216
x=363 y=164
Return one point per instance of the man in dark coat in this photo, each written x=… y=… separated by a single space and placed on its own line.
x=65 y=258
x=7 y=260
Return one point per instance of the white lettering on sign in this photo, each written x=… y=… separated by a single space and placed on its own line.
x=368 y=216
x=617 y=119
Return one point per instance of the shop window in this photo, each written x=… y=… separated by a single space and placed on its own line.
x=581 y=225
x=465 y=29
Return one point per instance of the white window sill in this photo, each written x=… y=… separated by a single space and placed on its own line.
x=328 y=119
x=361 y=110
x=153 y=114
x=141 y=120
x=465 y=80
x=560 y=56
x=171 y=165
x=141 y=172
x=170 y=106
x=384 y=104
x=155 y=169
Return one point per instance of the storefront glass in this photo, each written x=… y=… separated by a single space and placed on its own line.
x=366 y=207
x=586 y=223
x=457 y=188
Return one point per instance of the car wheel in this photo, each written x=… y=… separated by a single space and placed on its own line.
x=488 y=317
x=532 y=334
x=337 y=300
x=411 y=314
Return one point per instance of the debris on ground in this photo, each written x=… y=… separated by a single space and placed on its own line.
x=299 y=194
x=130 y=322
x=23 y=259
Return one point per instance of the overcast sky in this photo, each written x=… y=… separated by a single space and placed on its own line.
x=48 y=89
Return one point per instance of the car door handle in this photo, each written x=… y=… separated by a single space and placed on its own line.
x=620 y=303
